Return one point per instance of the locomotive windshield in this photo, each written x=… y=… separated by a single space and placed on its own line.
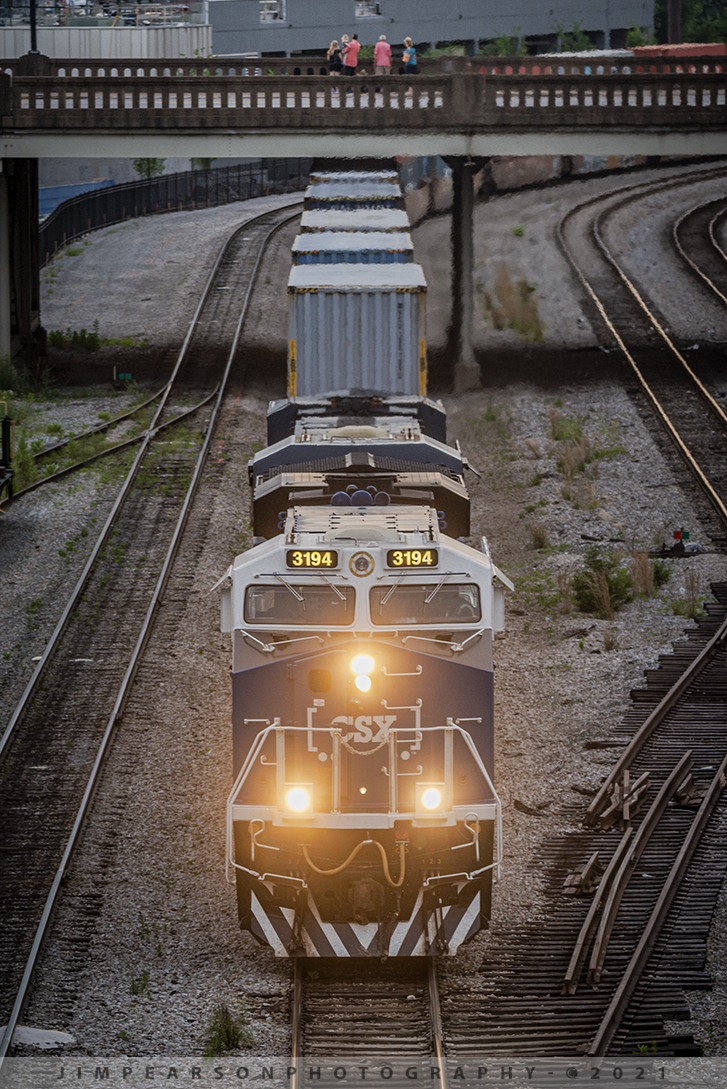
x=425 y=603
x=286 y=603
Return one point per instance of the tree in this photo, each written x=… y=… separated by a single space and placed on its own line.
x=200 y=164
x=702 y=21
x=149 y=168
x=574 y=40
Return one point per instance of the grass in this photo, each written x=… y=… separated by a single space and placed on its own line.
x=227 y=1031
x=514 y=306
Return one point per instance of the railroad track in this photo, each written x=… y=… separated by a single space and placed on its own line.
x=679 y=400
x=60 y=733
x=559 y=986
x=385 y=1011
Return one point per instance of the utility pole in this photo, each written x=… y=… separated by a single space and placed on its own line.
x=674 y=23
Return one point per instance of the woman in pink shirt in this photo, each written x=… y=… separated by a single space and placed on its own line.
x=382 y=56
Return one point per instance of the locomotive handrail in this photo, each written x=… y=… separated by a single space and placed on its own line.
x=255 y=752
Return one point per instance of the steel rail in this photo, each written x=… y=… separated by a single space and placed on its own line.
x=296 y=1024
x=653 y=720
x=118 y=503
x=104 y=747
x=99 y=428
x=628 y=864
x=712 y=237
x=125 y=445
x=649 y=313
x=435 y=1014
x=684 y=450
x=683 y=253
x=619 y=1003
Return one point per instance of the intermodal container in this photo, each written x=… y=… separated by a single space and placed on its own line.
x=363 y=219
x=349 y=196
x=353 y=248
x=354 y=177
x=357 y=327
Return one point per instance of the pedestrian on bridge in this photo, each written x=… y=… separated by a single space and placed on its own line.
x=382 y=56
x=409 y=58
x=350 y=57
x=335 y=61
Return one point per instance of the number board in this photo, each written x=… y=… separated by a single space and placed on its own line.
x=324 y=558
x=412 y=557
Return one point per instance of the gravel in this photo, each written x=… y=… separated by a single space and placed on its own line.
x=146 y=902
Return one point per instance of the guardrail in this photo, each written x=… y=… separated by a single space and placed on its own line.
x=456 y=102
x=168 y=193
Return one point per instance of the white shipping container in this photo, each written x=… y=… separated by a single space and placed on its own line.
x=362 y=219
x=347 y=195
x=349 y=247
x=355 y=177
x=357 y=327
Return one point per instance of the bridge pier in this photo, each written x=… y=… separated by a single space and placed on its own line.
x=460 y=338
x=20 y=328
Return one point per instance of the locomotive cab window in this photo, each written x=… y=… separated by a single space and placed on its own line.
x=285 y=603
x=425 y=603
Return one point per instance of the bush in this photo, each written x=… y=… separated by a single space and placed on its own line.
x=227 y=1032
x=604 y=586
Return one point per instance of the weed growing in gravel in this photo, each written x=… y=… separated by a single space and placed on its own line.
x=604 y=585
x=692 y=605
x=31 y=611
x=565 y=590
x=140 y=983
x=648 y=575
x=610 y=639
x=516 y=307
x=538 y=535
x=227 y=1031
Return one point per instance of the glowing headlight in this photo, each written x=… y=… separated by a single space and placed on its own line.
x=431 y=798
x=362 y=682
x=362 y=663
x=298 y=800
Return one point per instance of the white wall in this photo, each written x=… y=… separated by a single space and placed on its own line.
x=101 y=43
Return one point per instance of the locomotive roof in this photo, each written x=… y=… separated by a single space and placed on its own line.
x=343 y=241
x=362 y=523
x=357 y=277
x=358 y=219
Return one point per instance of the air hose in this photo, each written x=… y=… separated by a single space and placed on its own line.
x=354 y=852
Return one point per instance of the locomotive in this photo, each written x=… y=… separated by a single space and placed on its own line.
x=363 y=820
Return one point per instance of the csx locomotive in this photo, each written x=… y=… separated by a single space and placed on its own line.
x=363 y=820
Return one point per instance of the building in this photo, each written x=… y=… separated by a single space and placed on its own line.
x=288 y=27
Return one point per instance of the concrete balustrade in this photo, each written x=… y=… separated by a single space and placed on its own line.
x=448 y=103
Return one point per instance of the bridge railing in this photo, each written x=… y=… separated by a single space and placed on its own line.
x=457 y=102
x=318 y=66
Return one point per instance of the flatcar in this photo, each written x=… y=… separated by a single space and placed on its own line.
x=363 y=820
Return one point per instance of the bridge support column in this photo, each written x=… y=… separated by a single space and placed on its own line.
x=466 y=370
x=5 y=277
x=27 y=335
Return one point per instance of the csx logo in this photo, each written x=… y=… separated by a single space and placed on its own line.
x=365 y=727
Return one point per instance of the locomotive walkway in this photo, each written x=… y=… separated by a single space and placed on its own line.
x=454 y=107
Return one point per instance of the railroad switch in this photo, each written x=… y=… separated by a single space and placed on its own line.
x=584 y=878
x=626 y=800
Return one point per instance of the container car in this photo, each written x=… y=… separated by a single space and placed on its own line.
x=350 y=247
x=357 y=327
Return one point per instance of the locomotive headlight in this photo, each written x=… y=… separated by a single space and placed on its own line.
x=362 y=665
x=298 y=799
x=431 y=798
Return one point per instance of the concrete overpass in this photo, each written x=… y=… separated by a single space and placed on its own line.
x=465 y=110
x=462 y=108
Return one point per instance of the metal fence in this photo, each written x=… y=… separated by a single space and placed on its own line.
x=169 y=193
